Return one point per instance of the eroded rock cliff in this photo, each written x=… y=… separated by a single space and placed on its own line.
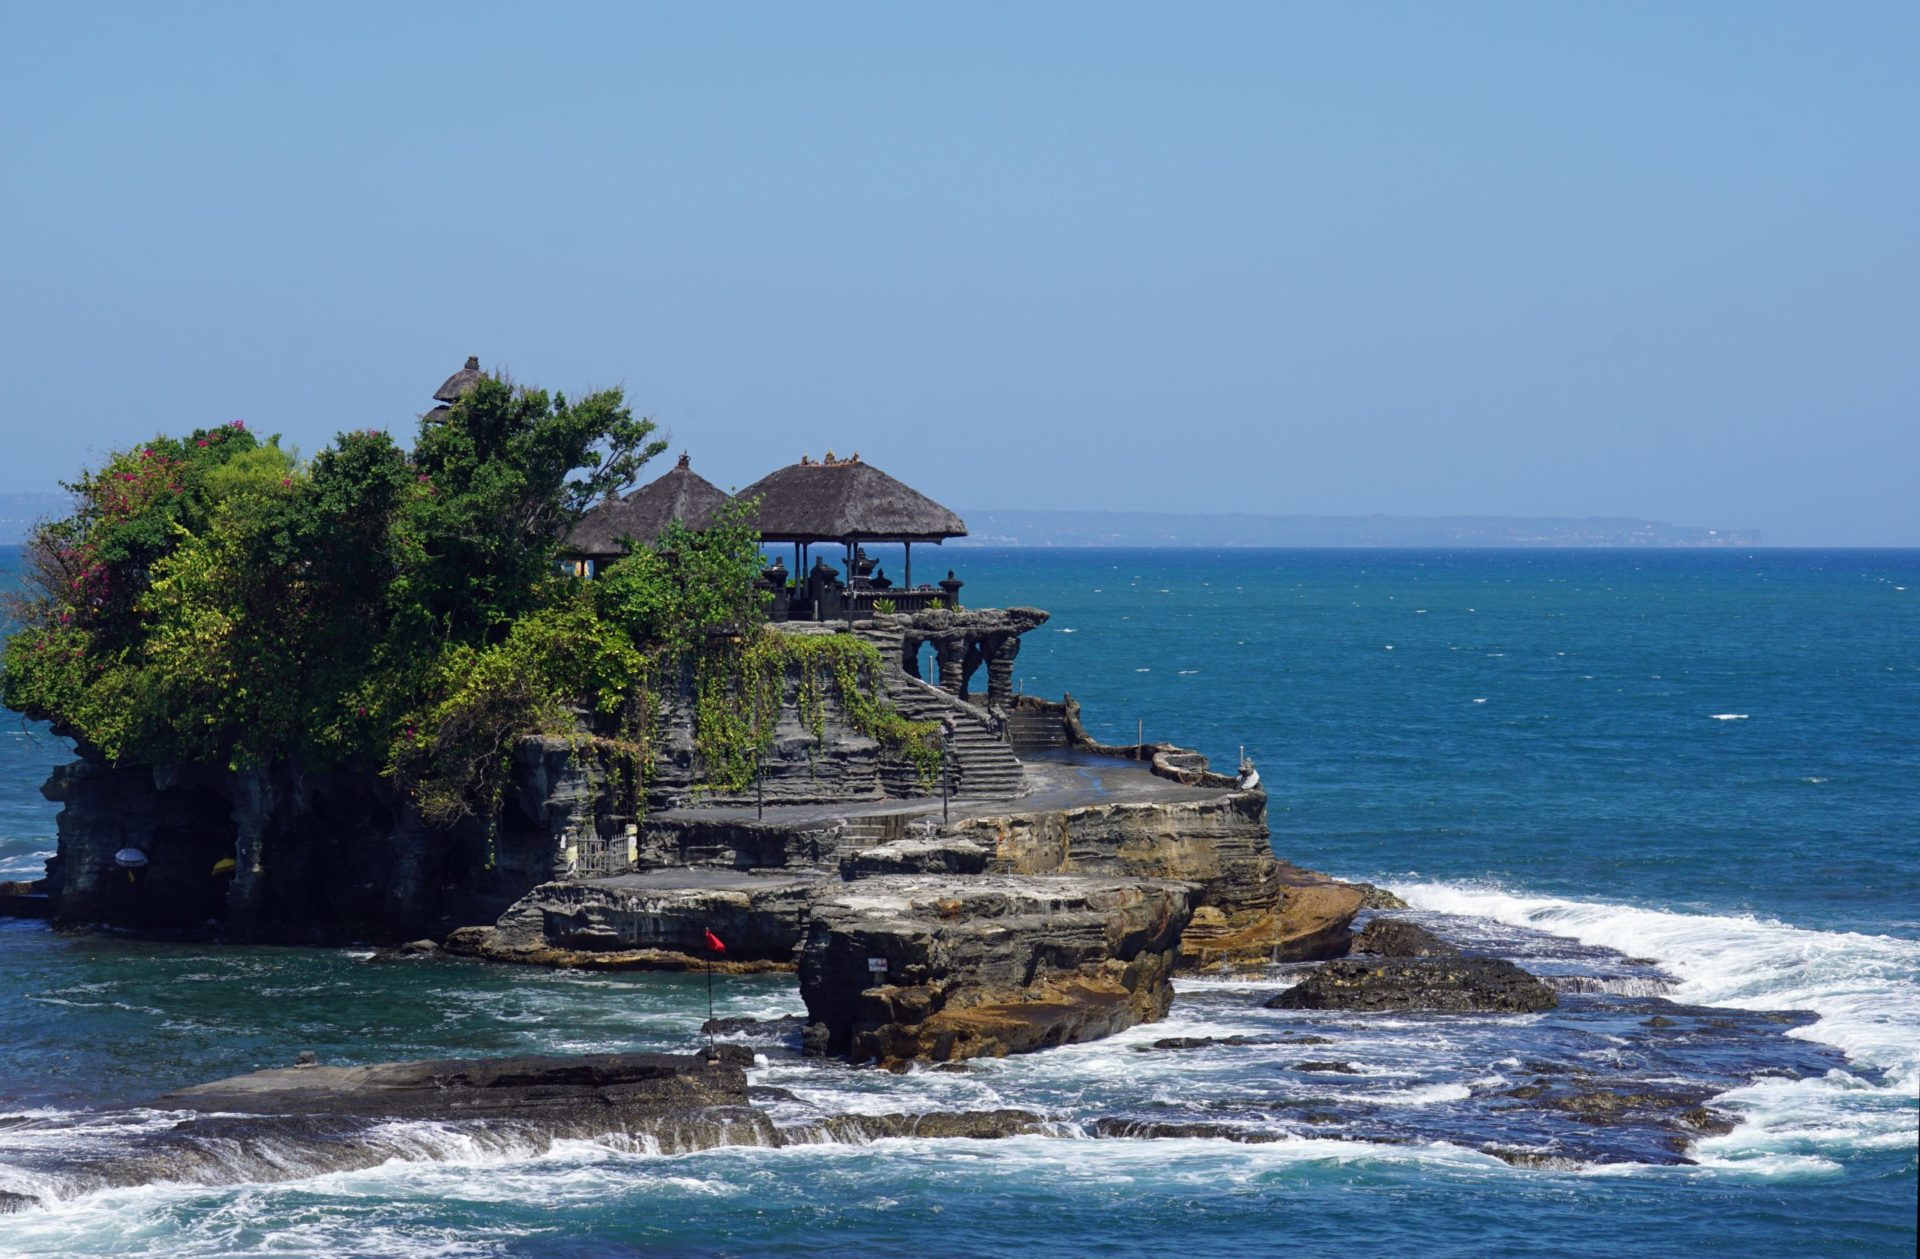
x=927 y=968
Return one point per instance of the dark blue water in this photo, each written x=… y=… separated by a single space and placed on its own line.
x=1679 y=729
x=1709 y=759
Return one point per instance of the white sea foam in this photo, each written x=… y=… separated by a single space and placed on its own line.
x=1729 y=716
x=1421 y=1095
x=1864 y=988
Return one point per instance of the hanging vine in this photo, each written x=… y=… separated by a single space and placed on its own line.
x=740 y=686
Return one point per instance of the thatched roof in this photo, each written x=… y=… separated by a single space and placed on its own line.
x=461 y=381
x=848 y=500
x=682 y=494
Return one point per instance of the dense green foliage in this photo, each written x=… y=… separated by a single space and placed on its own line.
x=216 y=600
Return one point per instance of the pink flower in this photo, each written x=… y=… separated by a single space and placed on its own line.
x=238 y=424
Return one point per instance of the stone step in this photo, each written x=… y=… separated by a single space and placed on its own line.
x=983 y=762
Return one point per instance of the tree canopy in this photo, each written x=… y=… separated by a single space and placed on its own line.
x=218 y=600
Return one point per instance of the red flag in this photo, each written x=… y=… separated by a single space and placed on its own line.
x=713 y=942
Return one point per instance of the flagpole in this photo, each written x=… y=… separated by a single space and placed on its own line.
x=713 y=949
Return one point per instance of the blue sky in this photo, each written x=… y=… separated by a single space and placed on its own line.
x=1543 y=259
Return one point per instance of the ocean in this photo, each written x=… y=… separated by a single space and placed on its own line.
x=1708 y=761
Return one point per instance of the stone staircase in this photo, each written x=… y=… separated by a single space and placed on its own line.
x=984 y=766
x=870 y=830
x=1031 y=730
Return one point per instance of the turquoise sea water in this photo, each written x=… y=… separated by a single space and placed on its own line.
x=1709 y=759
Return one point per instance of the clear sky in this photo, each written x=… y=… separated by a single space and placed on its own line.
x=1523 y=258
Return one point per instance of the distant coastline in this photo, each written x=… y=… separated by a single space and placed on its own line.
x=1184 y=529
x=19 y=512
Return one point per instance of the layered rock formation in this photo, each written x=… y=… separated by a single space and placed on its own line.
x=914 y=967
x=656 y=920
x=1249 y=909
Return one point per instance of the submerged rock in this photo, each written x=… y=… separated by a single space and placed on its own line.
x=1203 y=1042
x=1174 y=1130
x=974 y=1125
x=784 y=1025
x=1396 y=937
x=1613 y=985
x=1539 y=1160
x=1447 y=985
x=922 y=968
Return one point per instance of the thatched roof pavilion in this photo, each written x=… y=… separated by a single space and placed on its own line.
x=682 y=494
x=847 y=501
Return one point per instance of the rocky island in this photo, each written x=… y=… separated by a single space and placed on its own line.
x=340 y=700
x=479 y=700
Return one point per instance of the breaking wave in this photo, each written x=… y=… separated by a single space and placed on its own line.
x=1865 y=990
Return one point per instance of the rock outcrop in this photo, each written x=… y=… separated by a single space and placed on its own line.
x=312 y=1120
x=1396 y=937
x=926 y=968
x=1444 y=985
x=652 y=921
x=524 y=1087
x=1379 y=897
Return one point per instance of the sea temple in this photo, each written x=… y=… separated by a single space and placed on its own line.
x=952 y=868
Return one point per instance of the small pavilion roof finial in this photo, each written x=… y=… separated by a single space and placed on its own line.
x=457 y=384
x=683 y=461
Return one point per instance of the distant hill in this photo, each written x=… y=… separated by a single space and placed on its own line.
x=1175 y=529
x=21 y=512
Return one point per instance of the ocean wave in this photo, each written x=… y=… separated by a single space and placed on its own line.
x=1864 y=990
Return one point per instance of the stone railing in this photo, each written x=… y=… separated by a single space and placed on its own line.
x=918 y=599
